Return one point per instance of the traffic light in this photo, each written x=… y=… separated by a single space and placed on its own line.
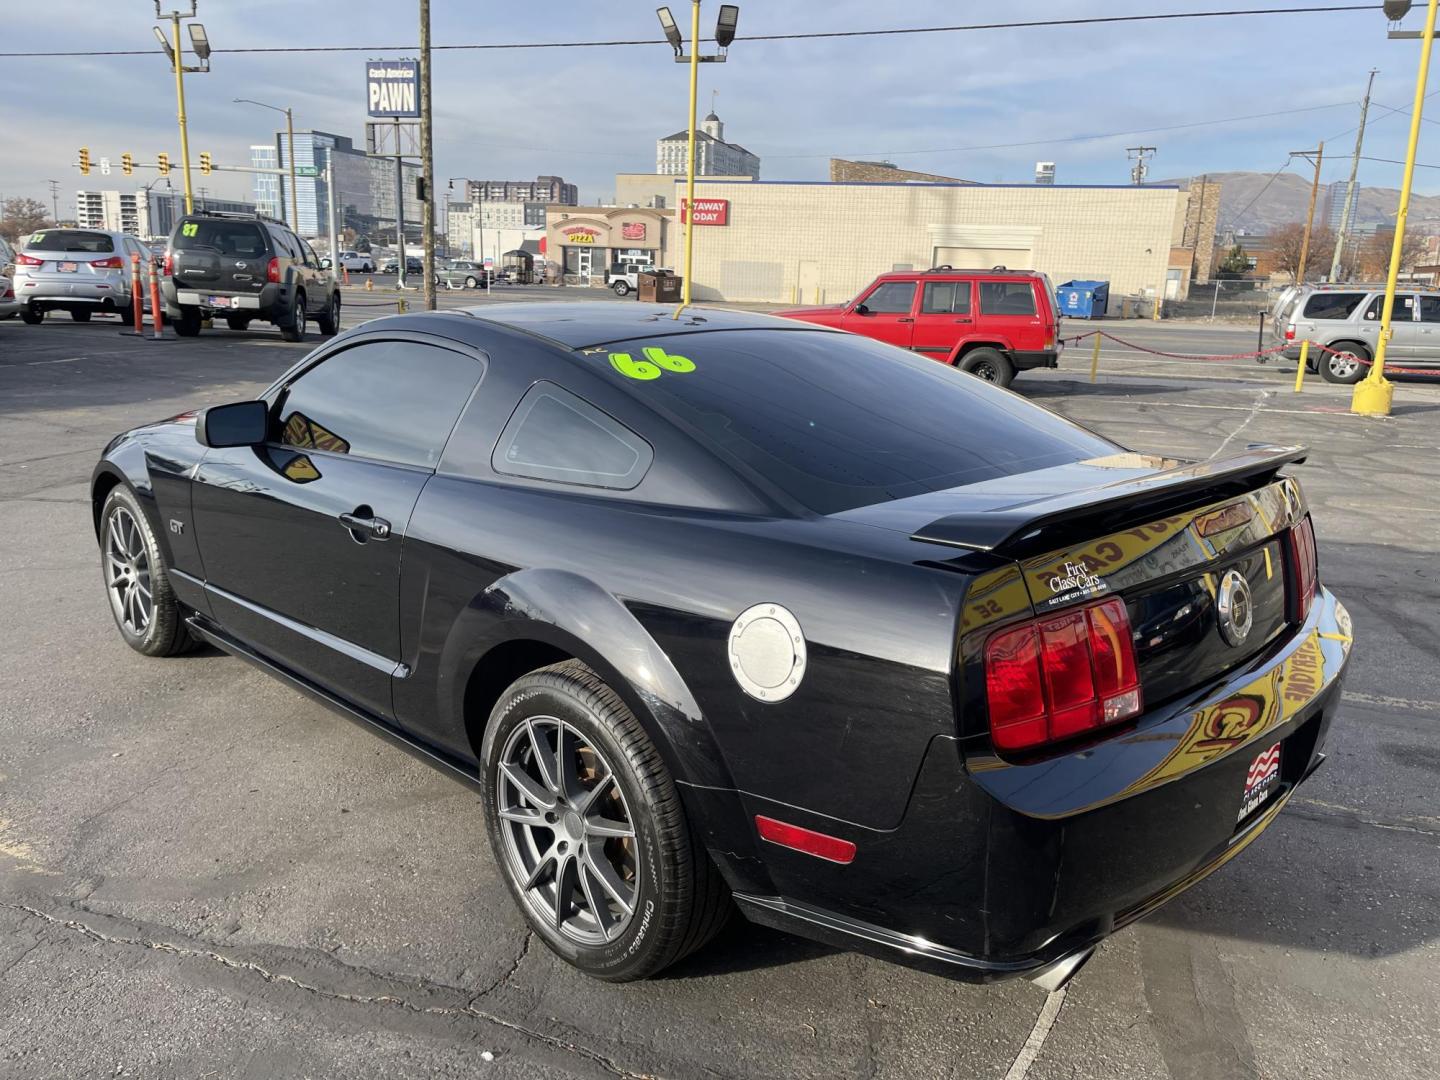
x=127 y=164
x=422 y=189
x=205 y=164
x=162 y=162
x=85 y=161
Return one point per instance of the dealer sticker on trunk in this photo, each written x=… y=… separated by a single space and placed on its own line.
x=1262 y=779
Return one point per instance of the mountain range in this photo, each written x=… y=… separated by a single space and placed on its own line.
x=1247 y=203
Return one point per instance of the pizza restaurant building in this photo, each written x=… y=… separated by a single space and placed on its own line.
x=587 y=240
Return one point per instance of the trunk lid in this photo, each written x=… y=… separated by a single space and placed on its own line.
x=1162 y=535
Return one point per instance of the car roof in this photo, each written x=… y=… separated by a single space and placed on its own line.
x=580 y=324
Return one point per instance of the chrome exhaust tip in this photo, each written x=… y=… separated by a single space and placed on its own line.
x=1056 y=974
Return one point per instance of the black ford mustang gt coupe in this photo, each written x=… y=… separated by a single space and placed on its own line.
x=736 y=611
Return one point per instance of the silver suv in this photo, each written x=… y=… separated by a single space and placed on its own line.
x=81 y=271
x=1346 y=321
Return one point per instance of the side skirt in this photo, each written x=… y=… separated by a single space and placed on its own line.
x=450 y=766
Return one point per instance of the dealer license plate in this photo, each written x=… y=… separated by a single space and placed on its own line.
x=1261 y=781
x=223 y=301
x=68 y=267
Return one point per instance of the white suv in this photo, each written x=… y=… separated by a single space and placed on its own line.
x=625 y=277
x=82 y=271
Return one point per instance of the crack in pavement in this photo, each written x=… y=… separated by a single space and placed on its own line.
x=509 y=972
x=379 y=1000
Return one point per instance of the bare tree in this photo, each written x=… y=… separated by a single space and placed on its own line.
x=1372 y=257
x=1288 y=241
x=21 y=216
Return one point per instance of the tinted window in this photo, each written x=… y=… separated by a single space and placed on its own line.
x=1332 y=305
x=1007 y=298
x=891 y=298
x=945 y=298
x=555 y=435
x=838 y=421
x=1403 y=311
x=311 y=259
x=243 y=239
x=70 y=240
x=1430 y=309
x=391 y=400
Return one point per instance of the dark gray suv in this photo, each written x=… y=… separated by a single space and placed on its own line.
x=243 y=268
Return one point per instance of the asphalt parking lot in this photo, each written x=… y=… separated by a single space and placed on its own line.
x=203 y=873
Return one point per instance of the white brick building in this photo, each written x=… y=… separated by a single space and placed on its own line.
x=713 y=155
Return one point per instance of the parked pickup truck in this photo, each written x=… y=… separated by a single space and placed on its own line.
x=624 y=278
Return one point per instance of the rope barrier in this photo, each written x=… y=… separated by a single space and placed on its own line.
x=1258 y=355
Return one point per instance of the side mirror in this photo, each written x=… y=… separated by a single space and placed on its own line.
x=861 y=309
x=244 y=423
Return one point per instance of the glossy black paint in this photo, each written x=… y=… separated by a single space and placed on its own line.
x=975 y=864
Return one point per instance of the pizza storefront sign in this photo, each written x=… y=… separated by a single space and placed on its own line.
x=708 y=211
x=580 y=235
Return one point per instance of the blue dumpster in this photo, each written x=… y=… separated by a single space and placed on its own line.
x=1083 y=299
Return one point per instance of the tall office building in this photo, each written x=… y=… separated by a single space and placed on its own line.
x=364 y=195
x=713 y=155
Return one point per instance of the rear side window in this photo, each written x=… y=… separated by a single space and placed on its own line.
x=388 y=400
x=555 y=435
x=70 y=240
x=242 y=239
x=838 y=421
x=1007 y=298
x=1403 y=311
x=1332 y=305
x=946 y=298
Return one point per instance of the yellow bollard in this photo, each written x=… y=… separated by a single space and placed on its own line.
x=817 y=294
x=369 y=285
x=400 y=307
x=1095 y=357
x=1304 y=360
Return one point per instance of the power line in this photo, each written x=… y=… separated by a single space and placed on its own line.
x=1273 y=176
x=1394 y=161
x=816 y=35
x=1069 y=138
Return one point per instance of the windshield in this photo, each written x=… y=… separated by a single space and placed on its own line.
x=837 y=421
x=70 y=240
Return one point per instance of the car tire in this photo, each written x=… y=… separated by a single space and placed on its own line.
x=188 y=324
x=659 y=873
x=367 y=269
x=989 y=364
x=472 y=282
x=81 y=316
x=127 y=314
x=329 y=322
x=622 y=288
x=1346 y=363
x=295 y=329
x=131 y=563
x=8 y=315
x=30 y=317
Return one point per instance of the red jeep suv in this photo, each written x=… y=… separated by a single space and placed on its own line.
x=991 y=323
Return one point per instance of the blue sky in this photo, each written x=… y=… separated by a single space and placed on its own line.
x=924 y=100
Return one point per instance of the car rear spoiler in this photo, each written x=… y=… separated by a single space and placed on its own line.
x=1048 y=522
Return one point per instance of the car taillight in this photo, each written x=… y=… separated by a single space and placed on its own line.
x=22 y=259
x=112 y=263
x=167 y=267
x=1305 y=561
x=1289 y=333
x=1061 y=676
x=272 y=271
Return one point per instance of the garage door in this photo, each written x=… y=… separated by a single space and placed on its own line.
x=974 y=258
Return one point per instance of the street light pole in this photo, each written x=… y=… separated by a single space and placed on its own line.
x=180 y=99
x=427 y=161
x=1374 y=393
x=289 y=153
x=689 y=214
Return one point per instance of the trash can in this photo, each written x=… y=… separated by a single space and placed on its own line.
x=658 y=288
x=1083 y=299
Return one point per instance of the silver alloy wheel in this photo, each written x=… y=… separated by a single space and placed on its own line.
x=127 y=573
x=569 y=836
x=300 y=316
x=1343 y=363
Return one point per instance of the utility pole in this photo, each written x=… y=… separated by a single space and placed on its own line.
x=1319 y=155
x=427 y=158
x=330 y=208
x=1138 y=173
x=54 y=198
x=1350 y=187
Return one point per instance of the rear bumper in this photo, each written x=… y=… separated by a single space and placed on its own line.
x=250 y=303
x=61 y=289
x=1000 y=870
x=1041 y=358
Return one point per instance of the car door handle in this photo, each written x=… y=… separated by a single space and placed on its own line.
x=965 y=320
x=359 y=522
x=904 y=320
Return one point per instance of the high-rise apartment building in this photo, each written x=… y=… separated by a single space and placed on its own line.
x=713 y=155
